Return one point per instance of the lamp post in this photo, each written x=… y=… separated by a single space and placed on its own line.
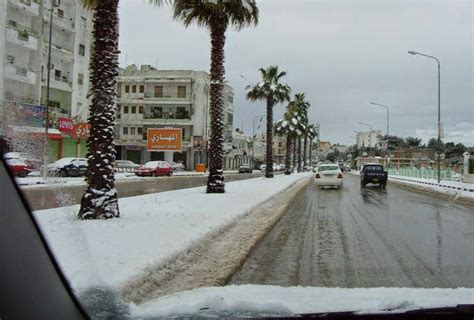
x=253 y=134
x=370 y=135
x=439 y=107
x=388 y=112
x=48 y=84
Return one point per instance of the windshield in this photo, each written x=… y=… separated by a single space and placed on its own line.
x=270 y=155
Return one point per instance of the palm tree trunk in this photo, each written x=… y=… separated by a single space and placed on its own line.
x=288 y=155
x=100 y=198
x=269 y=151
x=305 y=150
x=215 y=181
x=294 y=152
x=299 y=154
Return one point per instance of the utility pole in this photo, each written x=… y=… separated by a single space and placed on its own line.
x=48 y=82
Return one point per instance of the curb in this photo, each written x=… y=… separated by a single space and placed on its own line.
x=434 y=184
x=214 y=259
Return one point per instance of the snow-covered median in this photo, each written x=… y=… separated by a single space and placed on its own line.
x=152 y=228
x=274 y=300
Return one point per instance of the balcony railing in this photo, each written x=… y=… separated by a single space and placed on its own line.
x=30 y=7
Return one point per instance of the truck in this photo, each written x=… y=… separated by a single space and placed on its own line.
x=373 y=173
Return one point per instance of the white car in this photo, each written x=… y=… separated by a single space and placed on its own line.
x=329 y=175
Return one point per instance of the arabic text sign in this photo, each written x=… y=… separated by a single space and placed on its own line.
x=81 y=130
x=164 y=139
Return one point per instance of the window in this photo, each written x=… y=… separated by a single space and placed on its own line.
x=134 y=89
x=134 y=109
x=132 y=131
x=140 y=131
x=127 y=89
x=142 y=89
x=125 y=130
x=158 y=91
x=181 y=91
x=118 y=108
x=125 y=109
x=80 y=78
x=60 y=13
x=57 y=75
x=140 y=109
x=157 y=112
x=83 y=22
x=82 y=50
x=11 y=59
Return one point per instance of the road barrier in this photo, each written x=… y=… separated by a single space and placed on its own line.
x=425 y=173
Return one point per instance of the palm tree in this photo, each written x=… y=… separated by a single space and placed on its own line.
x=302 y=107
x=216 y=15
x=100 y=198
x=274 y=92
x=286 y=128
x=311 y=133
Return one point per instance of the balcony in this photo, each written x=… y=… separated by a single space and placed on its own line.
x=62 y=21
x=29 y=7
x=165 y=99
x=59 y=51
x=21 y=35
x=20 y=74
x=61 y=83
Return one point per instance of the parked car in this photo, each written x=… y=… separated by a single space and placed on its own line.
x=176 y=166
x=373 y=173
x=25 y=157
x=19 y=167
x=263 y=167
x=329 y=175
x=126 y=164
x=68 y=167
x=154 y=169
x=245 y=168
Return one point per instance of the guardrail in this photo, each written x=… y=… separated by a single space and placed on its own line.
x=125 y=169
x=425 y=173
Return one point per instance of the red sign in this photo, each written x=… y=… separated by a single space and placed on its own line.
x=65 y=125
x=81 y=130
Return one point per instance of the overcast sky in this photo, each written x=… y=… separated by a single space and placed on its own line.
x=341 y=54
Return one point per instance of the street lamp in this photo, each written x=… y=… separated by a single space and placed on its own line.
x=388 y=117
x=370 y=135
x=253 y=134
x=439 y=107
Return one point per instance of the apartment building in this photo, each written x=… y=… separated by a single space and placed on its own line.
x=24 y=44
x=151 y=98
x=368 y=139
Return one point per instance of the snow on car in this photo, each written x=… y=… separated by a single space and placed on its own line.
x=68 y=167
x=155 y=168
x=19 y=167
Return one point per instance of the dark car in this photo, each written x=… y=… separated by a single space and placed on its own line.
x=245 y=168
x=373 y=173
x=68 y=167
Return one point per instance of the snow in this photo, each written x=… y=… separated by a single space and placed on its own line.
x=275 y=300
x=152 y=229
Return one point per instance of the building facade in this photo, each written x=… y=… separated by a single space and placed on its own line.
x=368 y=139
x=24 y=52
x=150 y=98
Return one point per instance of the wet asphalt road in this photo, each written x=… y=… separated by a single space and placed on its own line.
x=66 y=195
x=366 y=238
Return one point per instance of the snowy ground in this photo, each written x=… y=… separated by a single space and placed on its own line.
x=454 y=189
x=152 y=228
x=274 y=300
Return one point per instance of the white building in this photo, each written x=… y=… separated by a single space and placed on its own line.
x=24 y=39
x=151 y=98
x=368 y=139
